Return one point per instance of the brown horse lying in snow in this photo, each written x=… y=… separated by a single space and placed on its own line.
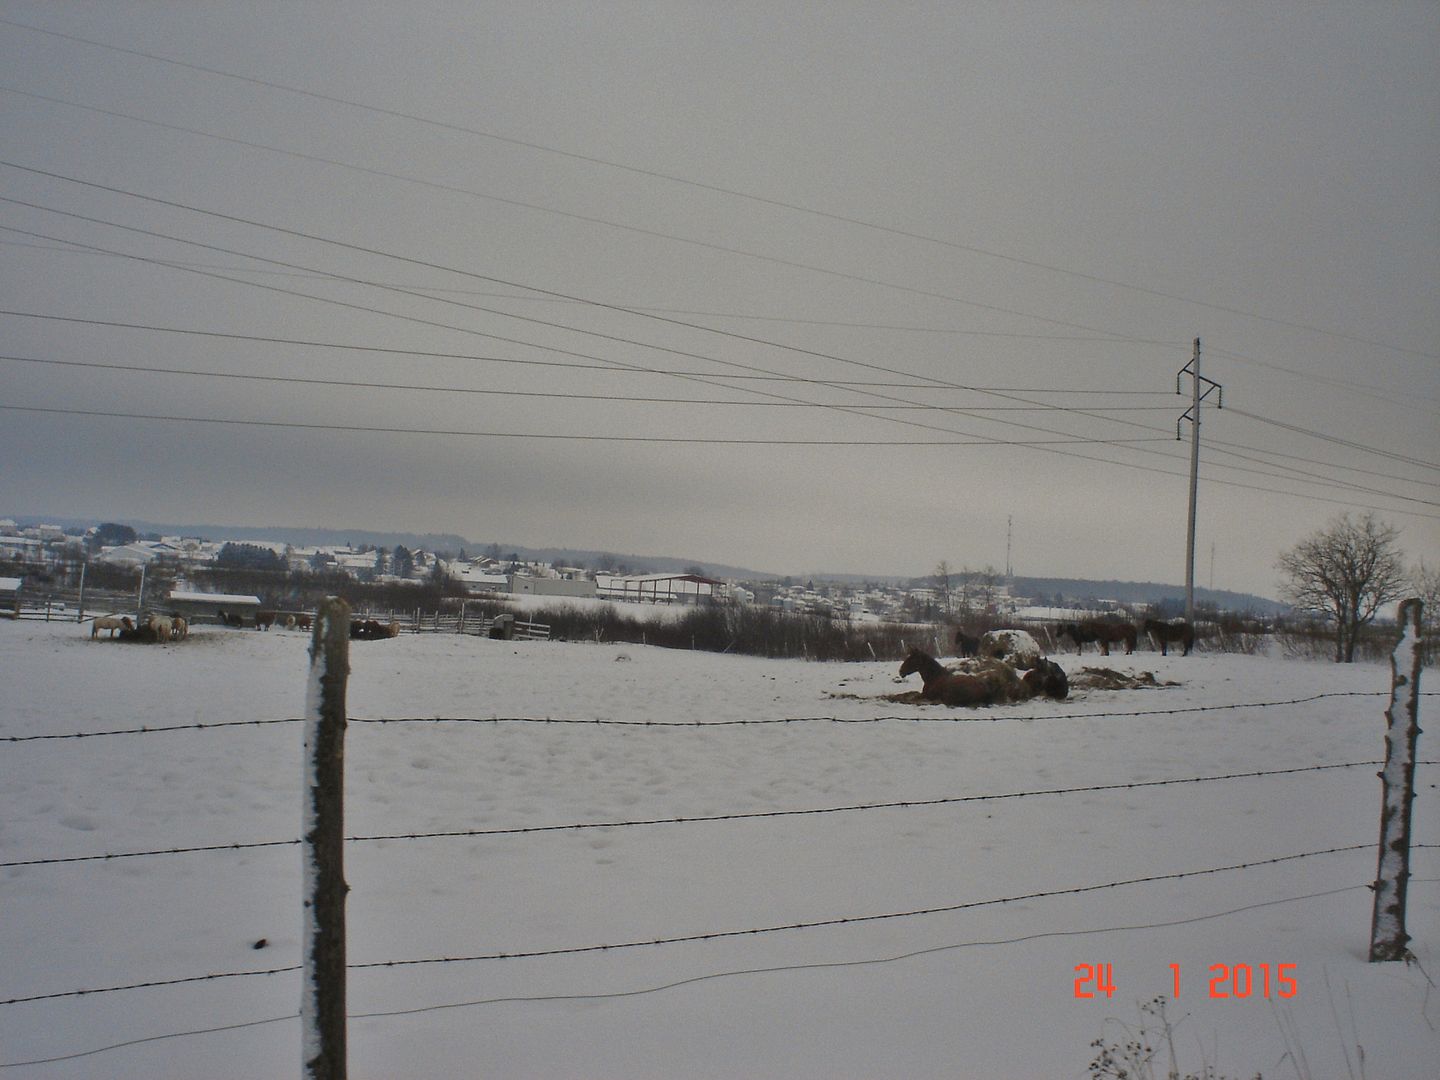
x=947 y=687
x=994 y=683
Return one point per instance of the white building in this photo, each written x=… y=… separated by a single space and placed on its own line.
x=658 y=588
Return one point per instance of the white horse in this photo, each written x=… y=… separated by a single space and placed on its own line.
x=162 y=625
x=108 y=622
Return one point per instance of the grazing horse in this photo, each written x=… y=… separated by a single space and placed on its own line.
x=966 y=645
x=145 y=634
x=229 y=618
x=109 y=622
x=1048 y=679
x=946 y=687
x=1164 y=633
x=1102 y=632
x=264 y=620
x=163 y=626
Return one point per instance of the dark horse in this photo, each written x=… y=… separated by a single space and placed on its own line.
x=370 y=630
x=966 y=645
x=1101 y=632
x=946 y=687
x=1047 y=678
x=1164 y=633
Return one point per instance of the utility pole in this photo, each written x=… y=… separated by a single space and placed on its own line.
x=1193 y=415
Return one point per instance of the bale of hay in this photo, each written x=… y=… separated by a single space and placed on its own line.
x=1016 y=647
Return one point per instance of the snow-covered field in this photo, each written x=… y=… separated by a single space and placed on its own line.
x=986 y=990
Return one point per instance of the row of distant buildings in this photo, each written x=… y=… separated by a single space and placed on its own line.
x=39 y=547
x=43 y=547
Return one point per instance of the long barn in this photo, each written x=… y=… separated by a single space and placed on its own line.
x=658 y=588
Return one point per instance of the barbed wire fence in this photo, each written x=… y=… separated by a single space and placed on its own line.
x=754 y=931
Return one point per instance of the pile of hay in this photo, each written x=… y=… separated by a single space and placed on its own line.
x=1093 y=678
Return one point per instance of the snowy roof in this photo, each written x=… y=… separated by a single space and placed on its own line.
x=660 y=577
x=10 y=584
x=214 y=598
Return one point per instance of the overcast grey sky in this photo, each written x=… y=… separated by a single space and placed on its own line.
x=991 y=229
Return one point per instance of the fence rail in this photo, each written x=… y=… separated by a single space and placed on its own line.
x=461 y=622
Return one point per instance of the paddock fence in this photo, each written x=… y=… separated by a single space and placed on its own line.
x=100 y=861
x=420 y=621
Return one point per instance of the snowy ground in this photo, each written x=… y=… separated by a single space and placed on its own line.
x=980 y=992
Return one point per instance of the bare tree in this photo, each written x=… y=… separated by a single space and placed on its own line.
x=942 y=580
x=1425 y=584
x=1346 y=571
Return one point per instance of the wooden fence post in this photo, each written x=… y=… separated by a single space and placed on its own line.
x=322 y=1004
x=1388 y=940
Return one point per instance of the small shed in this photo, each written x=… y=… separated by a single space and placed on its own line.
x=207 y=606
x=10 y=596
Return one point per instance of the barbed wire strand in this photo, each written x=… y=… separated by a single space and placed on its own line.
x=776 y=721
x=820 y=965
x=778 y=969
x=705 y=818
x=149 y=729
x=849 y=920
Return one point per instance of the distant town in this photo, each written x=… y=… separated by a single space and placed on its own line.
x=53 y=553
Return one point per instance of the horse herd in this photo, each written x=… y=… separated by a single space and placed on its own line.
x=1104 y=633
x=158 y=629
x=1005 y=665
x=265 y=619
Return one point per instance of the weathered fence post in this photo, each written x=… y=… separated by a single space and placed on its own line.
x=1388 y=939
x=322 y=1004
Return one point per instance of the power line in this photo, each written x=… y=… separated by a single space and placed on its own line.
x=482 y=277
x=1310 y=459
x=748 y=367
x=558 y=436
x=1296 y=474
x=522 y=318
x=1349 y=385
x=708 y=380
x=839 y=408
x=1327 y=437
x=544 y=394
x=1108 y=339
x=588 y=219
x=654 y=174
x=607 y=368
